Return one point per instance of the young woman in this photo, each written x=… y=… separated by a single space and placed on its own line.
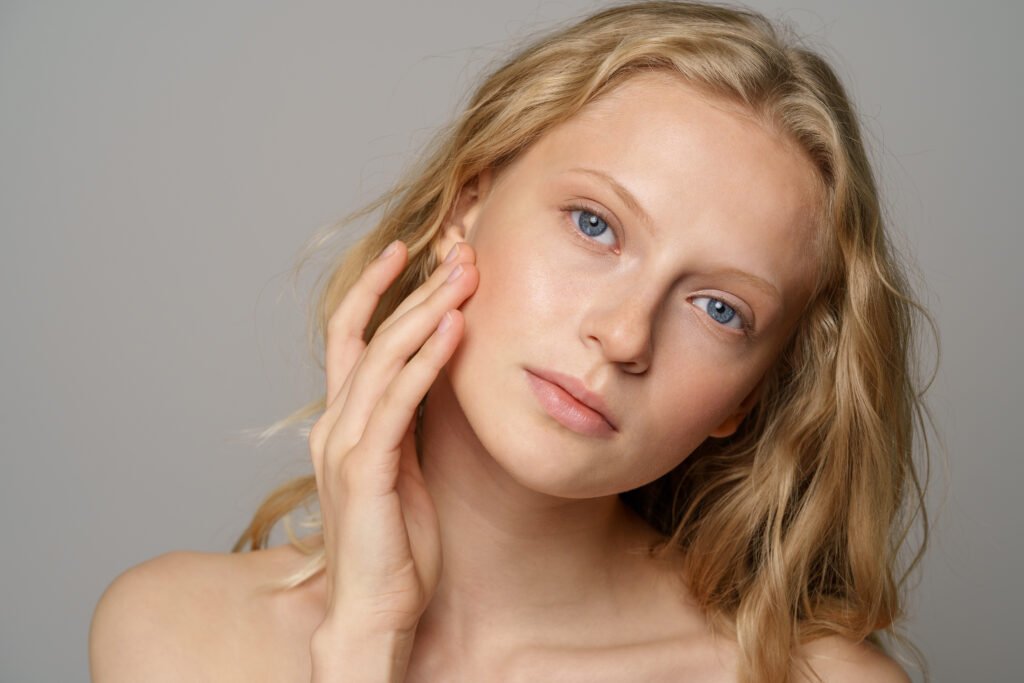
x=620 y=388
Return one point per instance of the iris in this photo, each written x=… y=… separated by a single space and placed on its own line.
x=720 y=310
x=588 y=222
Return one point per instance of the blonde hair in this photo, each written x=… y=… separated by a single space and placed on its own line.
x=792 y=527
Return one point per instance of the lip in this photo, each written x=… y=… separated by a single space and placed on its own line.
x=568 y=401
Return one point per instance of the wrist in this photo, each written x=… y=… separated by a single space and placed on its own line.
x=346 y=650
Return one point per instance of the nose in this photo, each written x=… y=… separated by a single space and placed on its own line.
x=621 y=326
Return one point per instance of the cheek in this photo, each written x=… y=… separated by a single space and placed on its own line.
x=692 y=400
x=503 y=317
x=521 y=288
x=691 y=410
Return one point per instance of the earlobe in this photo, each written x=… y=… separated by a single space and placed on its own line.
x=463 y=215
x=733 y=422
x=729 y=427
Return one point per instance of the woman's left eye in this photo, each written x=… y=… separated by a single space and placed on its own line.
x=591 y=224
x=720 y=312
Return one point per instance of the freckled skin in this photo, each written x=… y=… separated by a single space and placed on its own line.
x=619 y=311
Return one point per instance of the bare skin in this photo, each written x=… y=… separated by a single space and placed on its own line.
x=544 y=572
x=200 y=617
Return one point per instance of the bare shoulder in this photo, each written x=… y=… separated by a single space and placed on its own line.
x=144 y=625
x=187 y=615
x=835 y=659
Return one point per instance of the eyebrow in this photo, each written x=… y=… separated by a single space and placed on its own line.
x=625 y=195
x=633 y=205
x=752 y=280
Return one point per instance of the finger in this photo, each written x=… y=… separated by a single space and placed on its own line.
x=374 y=464
x=388 y=352
x=344 y=339
x=346 y=326
x=461 y=252
x=350 y=348
x=409 y=465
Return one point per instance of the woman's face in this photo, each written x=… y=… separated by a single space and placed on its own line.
x=672 y=318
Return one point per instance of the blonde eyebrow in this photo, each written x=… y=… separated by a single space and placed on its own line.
x=633 y=205
x=754 y=281
x=625 y=195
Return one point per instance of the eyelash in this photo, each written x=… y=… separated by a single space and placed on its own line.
x=746 y=328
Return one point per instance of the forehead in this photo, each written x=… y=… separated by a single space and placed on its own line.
x=700 y=166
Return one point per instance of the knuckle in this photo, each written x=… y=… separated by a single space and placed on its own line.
x=318 y=434
x=316 y=441
x=337 y=324
x=337 y=449
x=350 y=472
x=389 y=400
x=387 y=343
x=349 y=347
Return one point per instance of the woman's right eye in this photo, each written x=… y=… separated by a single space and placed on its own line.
x=592 y=224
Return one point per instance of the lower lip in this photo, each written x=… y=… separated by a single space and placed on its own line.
x=566 y=410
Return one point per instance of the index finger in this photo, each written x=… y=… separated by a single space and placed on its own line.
x=347 y=324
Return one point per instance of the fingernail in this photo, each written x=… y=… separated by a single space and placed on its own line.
x=455 y=273
x=452 y=254
x=391 y=249
x=446 y=322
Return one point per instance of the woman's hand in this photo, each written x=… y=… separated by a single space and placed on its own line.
x=380 y=526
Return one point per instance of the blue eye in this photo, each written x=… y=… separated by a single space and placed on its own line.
x=590 y=223
x=721 y=312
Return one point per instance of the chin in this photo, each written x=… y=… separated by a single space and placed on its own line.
x=533 y=449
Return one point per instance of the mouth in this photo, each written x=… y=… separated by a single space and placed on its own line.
x=570 y=404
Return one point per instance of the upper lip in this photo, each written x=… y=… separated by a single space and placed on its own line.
x=578 y=390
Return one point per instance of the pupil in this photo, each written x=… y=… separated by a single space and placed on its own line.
x=720 y=311
x=590 y=223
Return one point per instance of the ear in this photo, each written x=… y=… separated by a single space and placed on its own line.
x=732 y=423
x=462 y=217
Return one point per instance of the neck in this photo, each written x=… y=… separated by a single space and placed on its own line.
x=519 y=566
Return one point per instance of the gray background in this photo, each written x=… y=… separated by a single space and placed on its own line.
x=162 y=163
